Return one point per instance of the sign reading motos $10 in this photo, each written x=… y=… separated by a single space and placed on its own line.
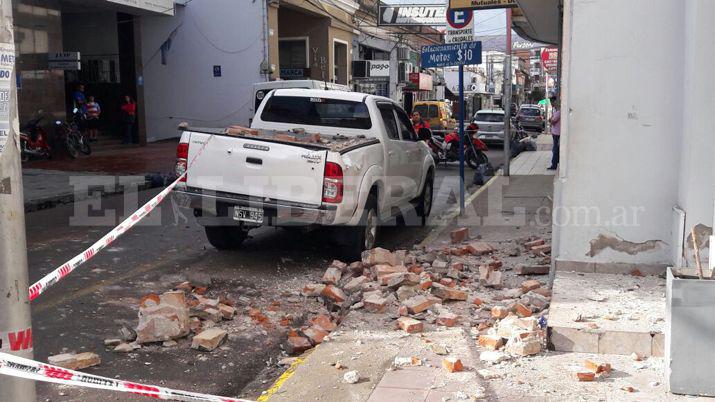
x=481 y=4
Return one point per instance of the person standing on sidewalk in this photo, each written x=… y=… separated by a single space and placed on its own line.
x=555 y=123
x=93 y=112
x=129 y=117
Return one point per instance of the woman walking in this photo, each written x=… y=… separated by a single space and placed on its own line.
x=129 y=117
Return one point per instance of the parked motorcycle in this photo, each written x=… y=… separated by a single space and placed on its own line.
x=69 y=133
x=33 y=140
x=446 y=149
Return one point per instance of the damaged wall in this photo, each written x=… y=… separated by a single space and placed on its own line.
x=626 y=159
x=696 y=189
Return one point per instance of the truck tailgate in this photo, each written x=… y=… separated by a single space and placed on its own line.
x=257 y=168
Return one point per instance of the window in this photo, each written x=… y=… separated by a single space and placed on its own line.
x=293 y=53
x=389 y=119
x=490 y=117
x=432 y=112
x=421 y=109
x=302 y=110
x=530 y=111
x=405 y=124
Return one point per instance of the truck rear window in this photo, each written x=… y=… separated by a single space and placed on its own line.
x=301 y=110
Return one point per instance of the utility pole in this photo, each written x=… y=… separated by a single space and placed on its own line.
x=15 y=323
x=506 y=101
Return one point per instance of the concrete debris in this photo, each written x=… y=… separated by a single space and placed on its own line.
x=112 y=342
x=75 y=361
x=407 y=361
x=169 y=319
x=522 y=269
x=493 y=356
x=351 y=377
x=487 y=374
x=127 y=334
x=126 y=347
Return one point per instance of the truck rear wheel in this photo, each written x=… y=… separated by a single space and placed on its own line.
x=364 y=236
x=225 y=237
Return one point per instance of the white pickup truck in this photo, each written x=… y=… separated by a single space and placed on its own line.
x=311 y=157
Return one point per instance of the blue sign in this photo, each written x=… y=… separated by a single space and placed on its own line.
x=453 y=54
x=217 y=71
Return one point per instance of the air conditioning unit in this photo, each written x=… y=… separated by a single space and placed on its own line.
x=403 y=53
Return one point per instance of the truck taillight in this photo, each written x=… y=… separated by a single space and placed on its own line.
x=333 y=183
x=182 y=155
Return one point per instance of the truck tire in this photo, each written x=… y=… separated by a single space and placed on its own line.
x=424 y=205
x=364 y=235
x=225 y=237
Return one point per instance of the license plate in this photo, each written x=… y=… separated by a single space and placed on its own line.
x=248 y=214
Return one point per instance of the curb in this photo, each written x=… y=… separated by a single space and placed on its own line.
x=52 y=201
x=267 y=394
x=452 y=214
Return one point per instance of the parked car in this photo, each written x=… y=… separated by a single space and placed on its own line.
x=311 y=157
x=437 y=113
x=531 y=117
x=491 y=125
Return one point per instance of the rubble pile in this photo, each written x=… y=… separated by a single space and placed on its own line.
x=460 y=285
x=174 y=315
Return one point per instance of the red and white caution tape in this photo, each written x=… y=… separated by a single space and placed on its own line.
x=33 y=370
x=63 y=270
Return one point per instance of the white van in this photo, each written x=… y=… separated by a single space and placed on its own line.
x=261 y=89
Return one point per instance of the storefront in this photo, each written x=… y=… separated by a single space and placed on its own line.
x=62 y=44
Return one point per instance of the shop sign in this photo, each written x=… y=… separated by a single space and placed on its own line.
x=379 y=68
x=414 y=14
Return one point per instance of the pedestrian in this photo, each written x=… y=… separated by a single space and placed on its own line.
x=93 y=113
x=555 y=123
x=78 y=99
x=418 y=123
x=129 y=117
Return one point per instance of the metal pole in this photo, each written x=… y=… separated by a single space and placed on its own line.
x=15 y=323
x=461 y=139
x=506 y=101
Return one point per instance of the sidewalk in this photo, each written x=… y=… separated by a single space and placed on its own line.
x=506 y=213
x=47 y=183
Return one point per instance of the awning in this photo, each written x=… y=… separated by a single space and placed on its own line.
x=537 y=20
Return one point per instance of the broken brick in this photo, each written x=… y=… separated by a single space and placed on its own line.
x=522 y=269
x=459 y=235
x=499 y=312
x=312 y=289
x=332 y=276
x=209 y=339
x=452 y=364
x=542 y=291
x=523 y=347
x=149 y=300
x=418 y=304
x=375 y=304
x=296 y=344
x=494 y=264
x=382 y=270
x=529 y=285
x=339 y=265
x=479 y=248
x=491 y=342
x=334 y=293
x=316 y=334
x=546 y=248
x=448 y=293
x=410 y=325
x=376 y=256
x=585 y=376
x=324 y=322
x=477 y=301
x=227 y=312
x=522 y=311
x=355 y=284
x=597 y=367
x=494 y=280
x=534 y=243
x=402 y=311
x=447 y=319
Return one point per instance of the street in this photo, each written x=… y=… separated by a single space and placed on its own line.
x=95 y=301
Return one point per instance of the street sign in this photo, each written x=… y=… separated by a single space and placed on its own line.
x=413 y=14
x=460 y=26
x=481 y=4
x=64 y=61
x=550 y=59
x=455 y=54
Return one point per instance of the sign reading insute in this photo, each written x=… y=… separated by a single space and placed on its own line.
x=414 y=14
